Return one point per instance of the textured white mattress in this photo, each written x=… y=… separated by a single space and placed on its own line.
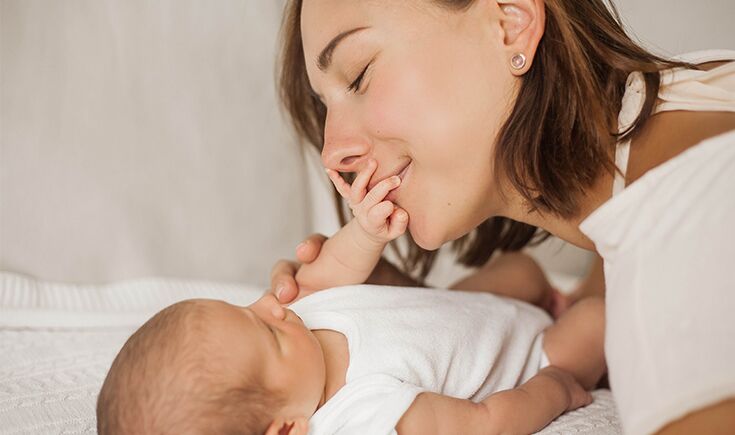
x=58 y=340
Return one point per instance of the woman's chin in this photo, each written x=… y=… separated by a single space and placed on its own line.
x=425 y=239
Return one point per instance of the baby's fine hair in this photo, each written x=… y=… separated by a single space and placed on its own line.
x=167 y=379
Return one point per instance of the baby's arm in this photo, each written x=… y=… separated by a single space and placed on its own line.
x=525 y=409
x=350 y=256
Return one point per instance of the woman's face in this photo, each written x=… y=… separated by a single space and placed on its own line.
x=436 y=90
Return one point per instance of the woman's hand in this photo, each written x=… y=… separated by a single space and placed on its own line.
x=283 y=284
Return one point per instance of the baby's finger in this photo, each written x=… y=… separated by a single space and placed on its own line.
x=359 y=186
x=378 y=193
x=379 y=213
x=398 y=222
x=340 y=184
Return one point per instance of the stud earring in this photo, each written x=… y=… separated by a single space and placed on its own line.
x=518 y=61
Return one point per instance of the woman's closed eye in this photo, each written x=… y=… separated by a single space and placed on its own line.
x=355 y=85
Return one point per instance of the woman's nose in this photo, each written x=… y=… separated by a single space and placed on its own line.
x=343 y=151
x=344 y=156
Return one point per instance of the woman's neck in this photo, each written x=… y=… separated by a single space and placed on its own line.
x=564 y=228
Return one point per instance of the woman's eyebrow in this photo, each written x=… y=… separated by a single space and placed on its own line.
x=325 y=57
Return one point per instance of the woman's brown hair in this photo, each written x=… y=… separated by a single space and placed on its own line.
x=559 y=136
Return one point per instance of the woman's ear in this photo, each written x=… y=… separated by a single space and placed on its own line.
x=523 y=23
x=281 y=426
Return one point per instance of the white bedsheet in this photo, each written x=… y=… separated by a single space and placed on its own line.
x=58 y=340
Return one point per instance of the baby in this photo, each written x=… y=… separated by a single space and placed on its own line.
x=357 y=359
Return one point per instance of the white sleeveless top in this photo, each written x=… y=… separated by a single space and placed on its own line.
x=668 y=244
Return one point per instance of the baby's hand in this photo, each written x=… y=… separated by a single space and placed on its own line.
x=381 y=219
x=577 y=395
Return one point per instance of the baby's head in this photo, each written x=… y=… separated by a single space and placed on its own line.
x=204 y=366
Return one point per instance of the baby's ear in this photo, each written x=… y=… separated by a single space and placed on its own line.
x=281 y=426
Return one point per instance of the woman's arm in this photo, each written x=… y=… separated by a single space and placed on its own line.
x=512 y=274
x=385 y=273
x=593 y=284
x=516 y=275
x=717 y=419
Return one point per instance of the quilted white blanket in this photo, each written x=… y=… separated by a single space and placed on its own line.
x=58 y=340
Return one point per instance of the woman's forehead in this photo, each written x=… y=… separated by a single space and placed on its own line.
x=322 y=20
x=384 y=21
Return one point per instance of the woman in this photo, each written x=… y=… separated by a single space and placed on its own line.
x=504 y=116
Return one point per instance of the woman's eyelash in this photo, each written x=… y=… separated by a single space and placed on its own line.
x=355 y=86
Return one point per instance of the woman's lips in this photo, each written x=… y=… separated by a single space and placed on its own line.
x=400 y=171
x=393 y=194
x=404 y=171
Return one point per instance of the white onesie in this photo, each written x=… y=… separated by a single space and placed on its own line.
x=403 y=341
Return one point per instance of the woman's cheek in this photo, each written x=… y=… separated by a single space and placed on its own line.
x=387 y=115
x=401 y=96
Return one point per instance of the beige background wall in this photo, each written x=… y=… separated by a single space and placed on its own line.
x=143 y=138
x=677 y=26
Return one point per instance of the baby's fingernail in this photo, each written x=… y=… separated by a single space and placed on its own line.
x=396 y=179
x=300 y=246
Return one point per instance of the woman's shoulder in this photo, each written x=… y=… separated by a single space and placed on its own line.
x=668 y=134
x=692 y=106
x=687 y=194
